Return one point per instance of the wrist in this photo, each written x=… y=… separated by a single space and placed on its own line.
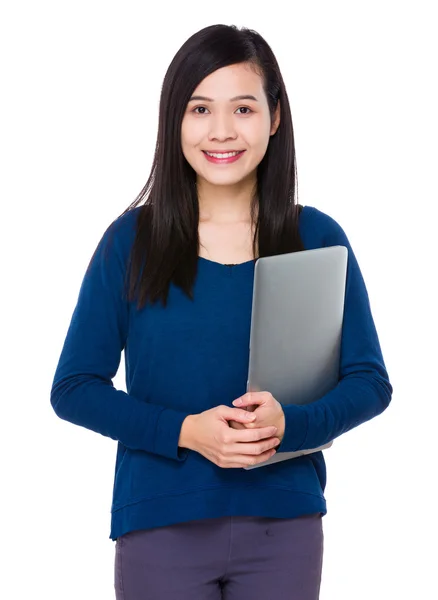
x=186 y=437
x=281 y=426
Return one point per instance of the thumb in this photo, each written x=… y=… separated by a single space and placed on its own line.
x=237 y=414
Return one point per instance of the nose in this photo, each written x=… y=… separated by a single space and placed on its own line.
x=222 y=128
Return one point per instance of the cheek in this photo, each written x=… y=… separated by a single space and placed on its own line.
x=190 y=147
x=191 y=133
x=257 y=136
x=258 y=147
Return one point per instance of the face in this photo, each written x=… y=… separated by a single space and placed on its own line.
x=218 y=122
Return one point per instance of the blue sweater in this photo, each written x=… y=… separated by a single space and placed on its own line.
x=193 y=356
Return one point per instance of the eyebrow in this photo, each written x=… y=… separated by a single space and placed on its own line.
x=243 y=97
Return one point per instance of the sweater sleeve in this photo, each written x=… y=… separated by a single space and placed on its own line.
x=363 y=390
x=82 y=390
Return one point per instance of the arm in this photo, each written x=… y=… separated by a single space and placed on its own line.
x=187 y=435
x=82 y=390
x=364 y=390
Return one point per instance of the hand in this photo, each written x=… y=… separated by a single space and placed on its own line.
x=268 y=410
x=210 y=434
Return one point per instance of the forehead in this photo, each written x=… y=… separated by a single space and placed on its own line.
x=231 y=81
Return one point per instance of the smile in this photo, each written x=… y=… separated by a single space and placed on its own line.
x=223 y=157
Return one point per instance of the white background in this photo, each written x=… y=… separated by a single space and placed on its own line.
x=81 y=83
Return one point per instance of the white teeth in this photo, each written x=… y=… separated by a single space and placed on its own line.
x=225 y=155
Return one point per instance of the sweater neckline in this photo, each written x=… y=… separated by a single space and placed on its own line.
x=226 y=266
x=238 y=266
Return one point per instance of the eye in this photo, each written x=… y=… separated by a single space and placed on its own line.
x=245 y=108
x=203 y=108
x=199 y=107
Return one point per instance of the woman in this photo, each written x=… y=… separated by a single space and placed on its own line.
x=171 y=283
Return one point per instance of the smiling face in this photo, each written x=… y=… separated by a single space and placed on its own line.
x=227 y=113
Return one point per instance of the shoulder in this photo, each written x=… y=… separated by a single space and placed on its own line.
x=319 y=229
x=117 y=239
x=121 y=232
x=126 y=223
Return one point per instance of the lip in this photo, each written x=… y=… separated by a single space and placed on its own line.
x=223 y=151
x=223 y=161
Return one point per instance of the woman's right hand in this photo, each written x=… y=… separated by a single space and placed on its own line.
x=210 y=434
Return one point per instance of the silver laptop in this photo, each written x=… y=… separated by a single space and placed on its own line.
x=296 y=328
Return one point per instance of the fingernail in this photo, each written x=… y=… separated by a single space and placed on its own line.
x=250 y=416
x=237 y=402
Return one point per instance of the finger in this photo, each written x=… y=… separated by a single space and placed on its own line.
x=250 y=398
x=254 y=448
x=240 y=462
x=237 y=414
x=236 y=425
x=250 y=435
x=252 y=425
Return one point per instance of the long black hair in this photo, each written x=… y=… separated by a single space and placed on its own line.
x=166 y=245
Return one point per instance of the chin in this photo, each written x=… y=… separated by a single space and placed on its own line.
x=225 y=178
x=225 y=181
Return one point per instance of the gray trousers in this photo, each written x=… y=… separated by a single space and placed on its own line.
x=230 y=558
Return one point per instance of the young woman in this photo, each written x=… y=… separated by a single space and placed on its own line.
x=171 y=283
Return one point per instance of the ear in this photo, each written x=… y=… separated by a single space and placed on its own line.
x=276 y=121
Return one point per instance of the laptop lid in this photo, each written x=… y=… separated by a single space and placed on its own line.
x=296 y=327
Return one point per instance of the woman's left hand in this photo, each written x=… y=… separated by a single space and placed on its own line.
x=268 y=410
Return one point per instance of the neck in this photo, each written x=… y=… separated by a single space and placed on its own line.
x=225 y=203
